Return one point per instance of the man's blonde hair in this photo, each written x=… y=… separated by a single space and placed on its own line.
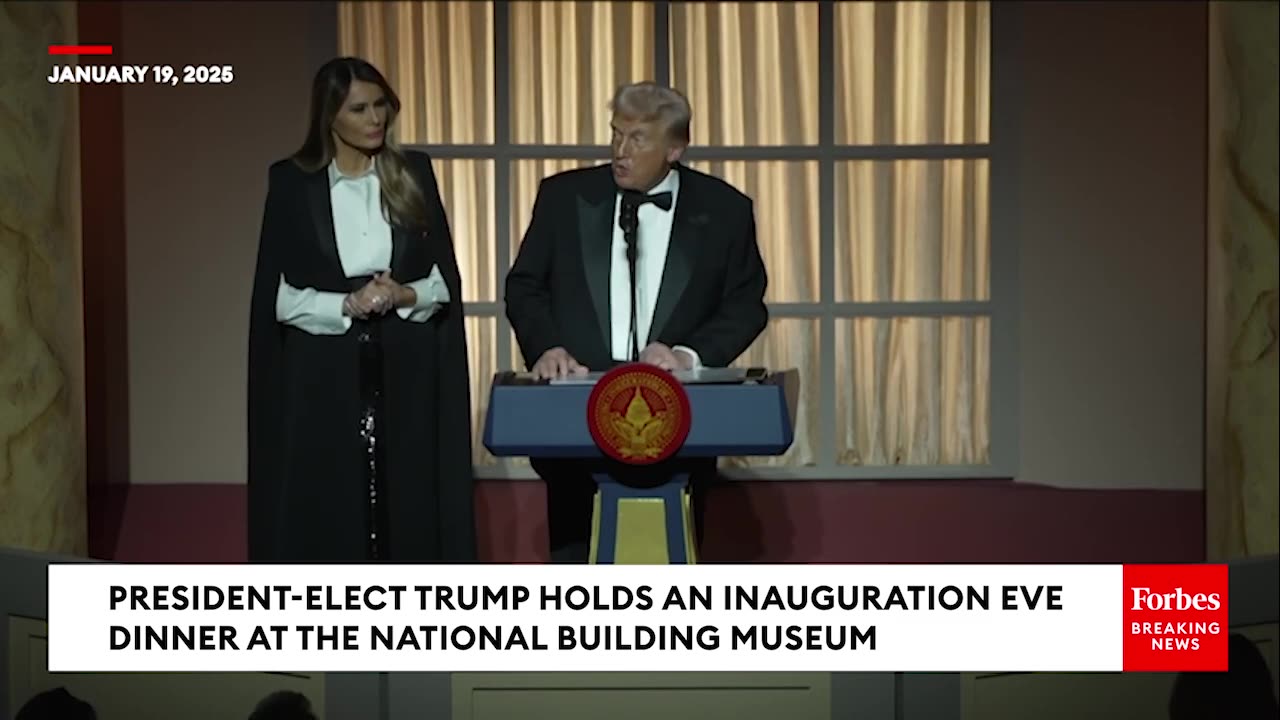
x=651 y=102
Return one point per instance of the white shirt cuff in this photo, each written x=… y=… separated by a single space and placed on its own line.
x=328 y=306
x=315 y=312
x=431 y=293
x=695 y=362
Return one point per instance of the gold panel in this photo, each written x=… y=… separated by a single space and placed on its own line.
x=641 y=537
x=642 y=532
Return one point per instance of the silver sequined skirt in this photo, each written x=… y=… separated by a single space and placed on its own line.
x=371 y=429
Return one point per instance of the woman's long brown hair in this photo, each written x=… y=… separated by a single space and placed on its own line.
x=402 y=197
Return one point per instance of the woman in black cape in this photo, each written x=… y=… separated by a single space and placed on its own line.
x=359 y=407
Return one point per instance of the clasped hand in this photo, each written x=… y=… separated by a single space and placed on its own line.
x=378 y=296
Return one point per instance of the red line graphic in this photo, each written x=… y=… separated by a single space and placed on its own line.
x=80 y=49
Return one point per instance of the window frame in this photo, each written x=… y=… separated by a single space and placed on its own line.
x=1001 y=308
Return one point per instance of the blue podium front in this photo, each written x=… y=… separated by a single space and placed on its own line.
x=641 y=512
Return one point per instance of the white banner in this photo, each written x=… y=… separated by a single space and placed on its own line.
x=470 y=618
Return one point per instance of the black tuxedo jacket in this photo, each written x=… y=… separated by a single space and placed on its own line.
x=712 y=294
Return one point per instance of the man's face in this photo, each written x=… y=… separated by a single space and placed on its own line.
x=642 y=153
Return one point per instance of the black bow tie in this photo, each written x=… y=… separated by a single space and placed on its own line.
x=636 y=199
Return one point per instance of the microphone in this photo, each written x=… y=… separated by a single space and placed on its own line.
x=629 y=222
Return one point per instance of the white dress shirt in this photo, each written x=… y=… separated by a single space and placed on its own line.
x=364 y=247
x=652 y=240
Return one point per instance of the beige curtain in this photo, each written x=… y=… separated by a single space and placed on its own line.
x=566 y=60
x=909 y=390
x=439 y=58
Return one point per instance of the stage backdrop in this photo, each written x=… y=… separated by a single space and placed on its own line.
x=1109 y=216
x=1108 y=227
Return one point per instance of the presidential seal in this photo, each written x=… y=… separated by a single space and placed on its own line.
x=638 y=414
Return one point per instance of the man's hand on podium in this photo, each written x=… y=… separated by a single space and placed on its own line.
x=664 y=357
x=555 y=364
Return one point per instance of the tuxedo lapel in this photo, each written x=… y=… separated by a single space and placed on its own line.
x=681 y=254
x=322 y=217
x=595 y=233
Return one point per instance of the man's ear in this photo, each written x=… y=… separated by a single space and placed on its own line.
x=675 y=153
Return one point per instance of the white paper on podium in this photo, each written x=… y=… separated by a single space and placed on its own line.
x=703 y=376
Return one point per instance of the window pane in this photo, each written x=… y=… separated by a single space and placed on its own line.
x=750 y=71
x=913 y=391
x=482 y=352
x=466 y=187
x=566 y=61
x=439 y=58
x=525 y=177
x=790 y=343
x=912 y=72
x=786 y=207
x=912 y=230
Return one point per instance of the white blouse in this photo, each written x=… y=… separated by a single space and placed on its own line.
x=364 y=247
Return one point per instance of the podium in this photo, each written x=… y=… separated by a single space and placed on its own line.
x=641 y=512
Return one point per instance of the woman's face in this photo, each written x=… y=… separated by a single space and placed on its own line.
x=361 y=122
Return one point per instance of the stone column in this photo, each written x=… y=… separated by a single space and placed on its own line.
x=42 y=476
x=1242 y=475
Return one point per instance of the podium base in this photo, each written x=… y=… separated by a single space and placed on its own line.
x=642 y=526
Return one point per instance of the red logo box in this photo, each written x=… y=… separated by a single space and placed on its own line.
x=1175 y=618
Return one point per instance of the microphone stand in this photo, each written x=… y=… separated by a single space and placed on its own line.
x=630 y=222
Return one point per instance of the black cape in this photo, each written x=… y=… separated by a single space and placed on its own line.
x=308 y=496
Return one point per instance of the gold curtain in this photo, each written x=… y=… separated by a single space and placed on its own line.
x=439 y=58
x=566 y=60
x=909 y=390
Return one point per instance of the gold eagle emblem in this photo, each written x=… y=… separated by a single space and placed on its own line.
x=639 y=429
x=638 y=414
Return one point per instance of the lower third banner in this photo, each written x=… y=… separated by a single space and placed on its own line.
x=471 y=618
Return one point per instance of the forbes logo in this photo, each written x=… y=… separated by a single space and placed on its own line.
x=1144 y=599
x=1175 y=617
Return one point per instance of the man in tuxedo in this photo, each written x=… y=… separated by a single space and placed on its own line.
x=687 y=239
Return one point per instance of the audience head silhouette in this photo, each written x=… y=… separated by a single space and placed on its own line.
x=283 y=705
x=1244 y=692
x=56 y=704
